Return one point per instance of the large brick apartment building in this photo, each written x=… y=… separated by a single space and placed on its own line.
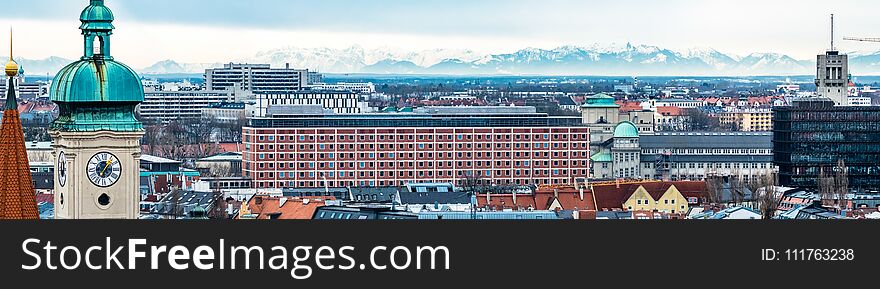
x=311 y=147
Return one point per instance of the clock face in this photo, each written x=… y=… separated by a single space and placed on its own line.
x=104 y=169
x=62 y=169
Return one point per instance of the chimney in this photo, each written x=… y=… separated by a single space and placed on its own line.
x=282 y=201
x=488 y=197
x=305 y=201
x=556 y=193
x=514 y=197
x=287 y=65
x=581 y=193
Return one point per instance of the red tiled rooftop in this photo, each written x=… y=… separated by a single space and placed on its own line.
x=612 y=196
x=293 y=208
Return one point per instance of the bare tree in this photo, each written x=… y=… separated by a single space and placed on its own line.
x=826 y=187
x=769 y=198
x=841 y=184
x=715 y=188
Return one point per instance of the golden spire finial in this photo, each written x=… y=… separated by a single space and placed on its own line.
x=11 y=67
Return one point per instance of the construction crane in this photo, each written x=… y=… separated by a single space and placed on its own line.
x=860 y=39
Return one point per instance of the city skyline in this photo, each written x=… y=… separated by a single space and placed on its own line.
x=197 y=33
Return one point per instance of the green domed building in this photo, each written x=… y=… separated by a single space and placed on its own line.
x=96 y=135
x=96 y=92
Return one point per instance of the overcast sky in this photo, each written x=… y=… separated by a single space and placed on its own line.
x=221 y=30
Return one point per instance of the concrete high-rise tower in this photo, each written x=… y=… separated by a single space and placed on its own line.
x=832 y=73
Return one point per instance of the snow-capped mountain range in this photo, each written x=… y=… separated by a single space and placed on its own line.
x=598 y=59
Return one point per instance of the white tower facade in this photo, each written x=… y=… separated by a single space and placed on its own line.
x=832 y=77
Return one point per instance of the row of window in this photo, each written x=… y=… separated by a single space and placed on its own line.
x=383 y=183
x=469 y=146
x=410 y=156
x=440 y=137
x=421 y=164
x=421 y=174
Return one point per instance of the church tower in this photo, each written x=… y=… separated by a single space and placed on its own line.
x=96 y=135
x=18 y=200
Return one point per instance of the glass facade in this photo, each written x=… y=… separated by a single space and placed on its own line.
x=815 y=134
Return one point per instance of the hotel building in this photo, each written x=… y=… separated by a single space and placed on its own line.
x=308 y=147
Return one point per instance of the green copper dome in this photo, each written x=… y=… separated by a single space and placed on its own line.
x=96 y=92
x=97 y=80
x=626 y=129
x=600 y=100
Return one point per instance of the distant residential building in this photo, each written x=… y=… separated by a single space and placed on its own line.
x=228 y=112
x=671 y=118
x=39 y=151
x=676 y=102
x=731 y=213
x=167 y=106
x=226 y=164
x=859 y=101
x=418 y=202
x=814 y=135
x=625 y=88
x=489 y=145
x=183 y=205
x=747 y=119
x=650 y=196
x=161 y=176
x=258 y=78
x=356 y=87
x=314 y=77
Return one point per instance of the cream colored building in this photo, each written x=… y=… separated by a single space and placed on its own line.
x=748 y=119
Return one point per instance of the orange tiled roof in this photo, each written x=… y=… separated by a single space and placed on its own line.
x=670 y=110
x=569 y=198
x=293 y=208
x=18 y=199
x=505 y=201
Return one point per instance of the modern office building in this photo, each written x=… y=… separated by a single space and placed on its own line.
x=340 y=101
x=813 y=135
x=259 y=78
x=303 y=148
x=167 y=106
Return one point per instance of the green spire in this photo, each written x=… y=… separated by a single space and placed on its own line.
x=10 y=95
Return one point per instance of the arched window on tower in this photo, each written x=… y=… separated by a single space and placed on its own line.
x=97 y=45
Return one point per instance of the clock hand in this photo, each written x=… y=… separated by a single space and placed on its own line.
x=106 y=165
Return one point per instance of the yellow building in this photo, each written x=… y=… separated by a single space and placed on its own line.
x=669 y=201
x=748 y=119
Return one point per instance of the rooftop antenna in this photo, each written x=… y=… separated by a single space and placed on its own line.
x=832 y=32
